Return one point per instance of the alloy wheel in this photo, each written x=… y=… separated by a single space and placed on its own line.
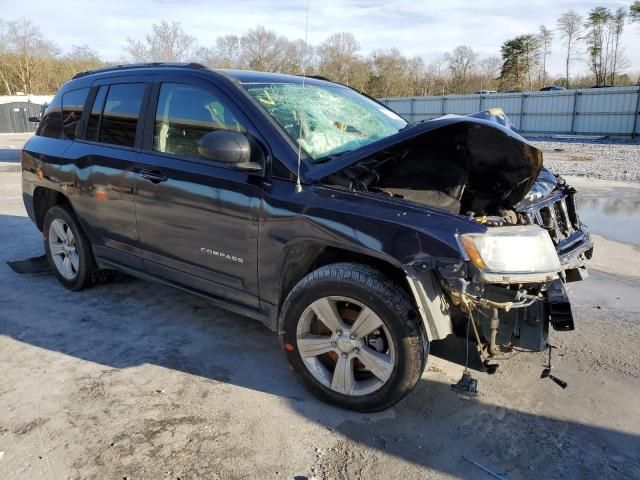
x=62 y=245
x=345 y=346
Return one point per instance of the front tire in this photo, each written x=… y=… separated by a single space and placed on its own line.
x=352 y=337
x=67 y=248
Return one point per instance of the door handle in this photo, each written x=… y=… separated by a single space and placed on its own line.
x=154 y=176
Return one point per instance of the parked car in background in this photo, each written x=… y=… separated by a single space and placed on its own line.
x=484 y=92
x=552 y=88
x=312 y=208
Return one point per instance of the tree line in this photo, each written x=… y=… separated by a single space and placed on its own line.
x=33 y=64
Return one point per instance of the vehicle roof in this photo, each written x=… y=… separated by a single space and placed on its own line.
x=251 y=76
x=239 y=76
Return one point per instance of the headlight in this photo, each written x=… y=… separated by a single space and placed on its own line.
x=510 y=251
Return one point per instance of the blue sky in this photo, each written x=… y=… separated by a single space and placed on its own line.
x=425 y=28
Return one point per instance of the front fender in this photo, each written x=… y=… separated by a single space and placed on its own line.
x=390 y=231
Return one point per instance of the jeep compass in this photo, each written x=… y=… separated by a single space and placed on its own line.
x=359 y=238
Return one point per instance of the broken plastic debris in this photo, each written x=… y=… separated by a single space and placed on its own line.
x=485 y=469
x=466 y=385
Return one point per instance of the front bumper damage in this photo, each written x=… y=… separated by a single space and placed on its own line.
x=504 y=311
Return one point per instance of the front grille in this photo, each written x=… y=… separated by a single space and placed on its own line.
x=555 y=217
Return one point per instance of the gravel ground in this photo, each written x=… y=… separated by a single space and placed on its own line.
x=603 y=159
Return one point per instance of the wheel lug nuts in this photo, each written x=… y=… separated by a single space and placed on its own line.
x=352 y=336
x=356 y=350
x=333 y=344
x=344 y=355
x=339 y=332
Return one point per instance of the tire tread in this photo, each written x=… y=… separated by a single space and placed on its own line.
x=395 y=298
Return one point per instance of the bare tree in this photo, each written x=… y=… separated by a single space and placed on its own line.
x=80 y=59
x=167 y=42
x=264 y=50
x=388 y=74
x=338 y=55
x=301 y=57
x=225 y=54
x=461 y=62
x=416 y=76
x=487 y=73
x=4 y=57
x=27 y=56
x=546 y=37
x=436 y=77
x=532 y=50
x=570 y=26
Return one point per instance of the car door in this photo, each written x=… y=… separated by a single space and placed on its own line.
x=101 y=162
x=197 y=219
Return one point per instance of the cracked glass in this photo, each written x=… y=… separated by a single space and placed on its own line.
x=326 y=120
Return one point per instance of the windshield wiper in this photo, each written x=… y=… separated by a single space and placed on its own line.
x=331 y=156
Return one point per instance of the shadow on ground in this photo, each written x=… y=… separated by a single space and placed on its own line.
x=128 y=323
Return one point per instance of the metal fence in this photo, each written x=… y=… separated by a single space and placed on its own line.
x=14 y=117
x=595 y=111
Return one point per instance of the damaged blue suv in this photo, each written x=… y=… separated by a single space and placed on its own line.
x=312 y=208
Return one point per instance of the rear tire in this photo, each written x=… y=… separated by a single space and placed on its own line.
x=68 y=249
x=352 y=337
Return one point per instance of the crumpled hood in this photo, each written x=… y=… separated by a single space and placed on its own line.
x=501 y=164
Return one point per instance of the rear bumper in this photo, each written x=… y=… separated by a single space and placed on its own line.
x=27 y=198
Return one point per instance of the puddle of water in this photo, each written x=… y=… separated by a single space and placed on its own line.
x=612 y=213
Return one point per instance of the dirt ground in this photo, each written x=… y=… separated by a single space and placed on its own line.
x=133 y=380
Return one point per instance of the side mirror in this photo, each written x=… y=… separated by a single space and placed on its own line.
x=229 y=147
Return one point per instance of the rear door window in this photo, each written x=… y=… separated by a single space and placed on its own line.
x=185 y=113
x=72 y=106
x=120 y=114
x=96 y=111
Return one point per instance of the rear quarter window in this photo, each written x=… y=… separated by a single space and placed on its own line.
x=51 y=123
x=72 y=106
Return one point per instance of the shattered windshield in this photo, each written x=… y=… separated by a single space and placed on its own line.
x=335 y=119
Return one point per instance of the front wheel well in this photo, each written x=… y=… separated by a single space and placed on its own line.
x=303 y=259
x=43 y=200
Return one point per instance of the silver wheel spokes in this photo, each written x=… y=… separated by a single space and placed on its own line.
x=62 y=245
x=358 y=367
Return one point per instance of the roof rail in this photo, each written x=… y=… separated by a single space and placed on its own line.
x=116 y=68
x=317 y=77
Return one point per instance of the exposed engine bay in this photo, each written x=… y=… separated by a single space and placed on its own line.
x=469 y=168
x=479 y=167
x=464 y=168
